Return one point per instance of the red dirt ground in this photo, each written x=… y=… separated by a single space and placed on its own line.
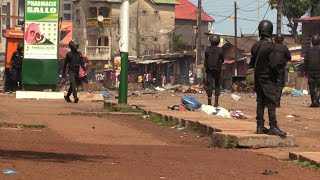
x=118 y=147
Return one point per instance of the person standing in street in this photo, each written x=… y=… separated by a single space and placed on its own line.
x=312 y=70
x=282 y=55
x=163 y=80
x=266 y=74
x=16 y=68
x=213 y=63
x=73 y=61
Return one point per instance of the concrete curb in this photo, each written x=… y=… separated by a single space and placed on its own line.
x=219 y=137
x=312 y=157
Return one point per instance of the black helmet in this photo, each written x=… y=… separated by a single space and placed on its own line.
x=278 y=38
x=20 y=47
x=73 y=45
x=315 y=40
x=265 y=28
x=214 y=40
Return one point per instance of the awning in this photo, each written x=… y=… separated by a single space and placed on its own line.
x=158 y=61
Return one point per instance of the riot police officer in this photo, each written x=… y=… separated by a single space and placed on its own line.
x=73 y=61
x=213 y=62
x=282 y=55
x=16 y=67
x=312 y=70
x=265 y=77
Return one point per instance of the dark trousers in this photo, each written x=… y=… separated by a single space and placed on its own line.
x=213 y=75
x=16 y=78
x=279 y=86
x=266 y=97
x=314 y=88
x=73 y=86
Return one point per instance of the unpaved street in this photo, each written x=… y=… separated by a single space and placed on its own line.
x=118 y=147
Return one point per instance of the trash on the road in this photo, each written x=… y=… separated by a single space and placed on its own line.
x=181 y=128
x=9 y=171
x=190 y=103
x=235 y=97
x=159 y=89
x=145 y=116
x=290 y=116
x=208 y=109
x=106 y=95
x=268 y=172
x=237 y=114
x=288 y=90
x=223 y=112
x=298 y=93
x=162 y=178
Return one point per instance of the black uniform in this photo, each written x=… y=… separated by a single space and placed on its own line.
x=282 y=55
x=73 y=61
x=16 y=69
x=312 y=68
x=266 y=73
x=213 y=62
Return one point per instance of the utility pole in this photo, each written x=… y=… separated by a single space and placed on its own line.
x=198 y=52
x=258 y=19
x=124 y=49
x=279 y=16
x=235 y=39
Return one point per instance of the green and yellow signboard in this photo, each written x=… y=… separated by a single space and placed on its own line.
x=41 y=42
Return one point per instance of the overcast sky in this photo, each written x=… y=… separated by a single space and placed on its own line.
x=247 y=15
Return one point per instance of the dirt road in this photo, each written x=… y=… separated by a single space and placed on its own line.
x=118 y=147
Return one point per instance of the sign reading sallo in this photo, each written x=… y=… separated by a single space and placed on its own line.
x=41 y=29
x=41 y=42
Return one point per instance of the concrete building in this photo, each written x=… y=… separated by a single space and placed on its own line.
x=186 y=23
x=151 y=28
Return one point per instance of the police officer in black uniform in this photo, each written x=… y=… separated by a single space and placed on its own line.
x=282 y=55
x=16 y=67
x=213 y=62
x=312 y=70
x=266 y=73
x=73 y=61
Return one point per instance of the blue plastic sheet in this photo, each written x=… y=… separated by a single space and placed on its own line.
x=190 y=103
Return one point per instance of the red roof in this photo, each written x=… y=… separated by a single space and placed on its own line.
x=188 y=11
x=314 y=18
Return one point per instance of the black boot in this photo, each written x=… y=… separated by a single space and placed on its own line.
x=261 y=129
x=76 y=100
x=209 y=101
x=274 y=129
x=313 y=100
x=67 y=98
x=216 y=101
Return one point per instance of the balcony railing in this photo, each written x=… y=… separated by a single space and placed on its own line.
x=98 y=52
x=92 y=22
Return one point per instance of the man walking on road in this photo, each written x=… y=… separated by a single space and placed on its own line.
x=265 y=66
x=312 y=70
x=282 y=55
x=16 y=67
x=213 y=63
x=73 y=61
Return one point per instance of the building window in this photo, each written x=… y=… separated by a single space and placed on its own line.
x=103 y=41
x=104 y=11
x=143 y=12
x=156 y=12
x=155 y=39
x=67 y=6
x=143 y=39
x=67 y=16
x=92 y=12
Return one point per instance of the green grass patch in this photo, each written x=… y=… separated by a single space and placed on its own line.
x=306 y=164
x=33 y=126
x=229 y=144
x=121 y=108
x=159 y=120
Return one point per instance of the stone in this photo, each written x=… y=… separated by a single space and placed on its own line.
x=250 y=139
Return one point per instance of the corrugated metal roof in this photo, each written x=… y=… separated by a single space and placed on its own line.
x=153 y=1
x=314 y=18
x=188 y=11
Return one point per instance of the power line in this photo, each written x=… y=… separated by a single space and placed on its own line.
x=251 y=10
x=256 y=28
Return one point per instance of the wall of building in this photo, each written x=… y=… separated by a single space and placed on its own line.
x=185 y=28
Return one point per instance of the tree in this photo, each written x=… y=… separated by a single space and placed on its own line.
x=293 y=9
x=179 y=44
x=315 y=8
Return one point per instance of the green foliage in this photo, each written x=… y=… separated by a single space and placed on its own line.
x=159 y=120
x=293 y=8
x=306 y=164
x=179 y=44
x=229 y=144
